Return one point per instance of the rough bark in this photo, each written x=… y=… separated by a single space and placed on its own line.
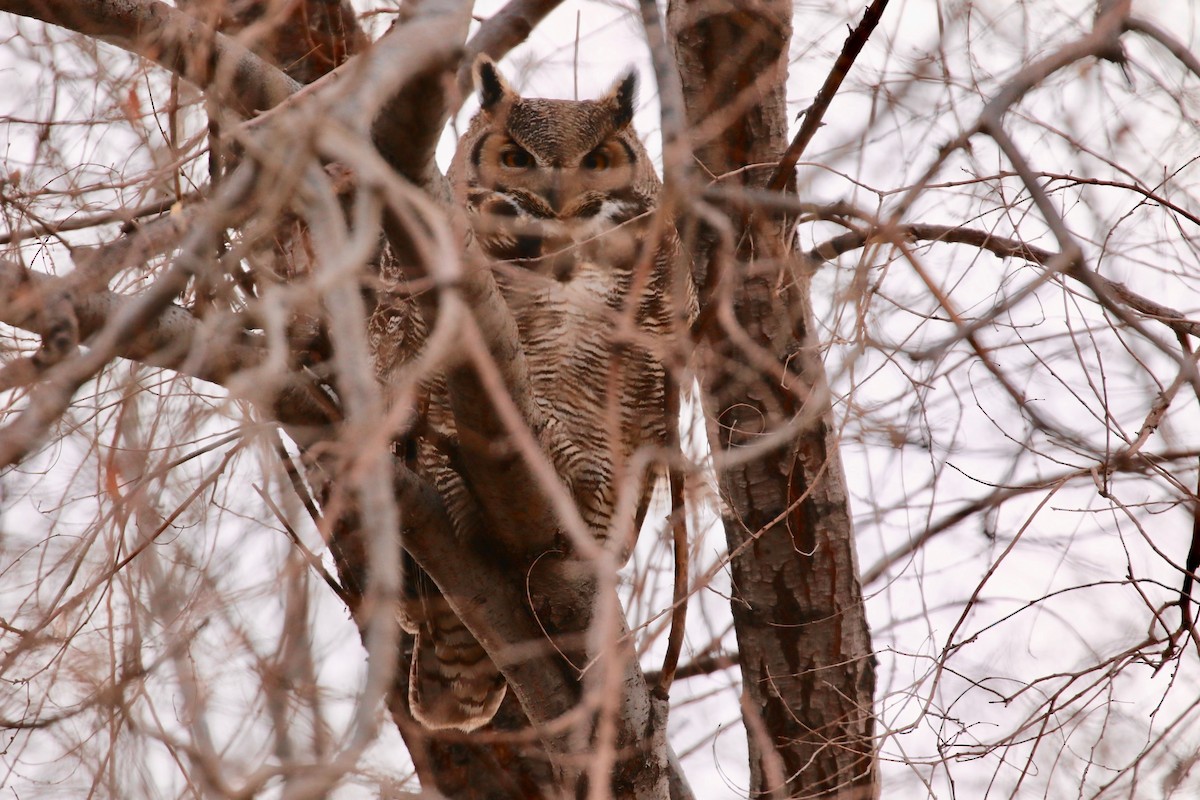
x=804 y=646
x=174 y=339
x=306 y=40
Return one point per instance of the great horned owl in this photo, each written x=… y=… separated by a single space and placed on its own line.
x=560 y=195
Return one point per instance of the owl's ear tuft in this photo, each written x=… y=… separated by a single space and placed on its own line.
x=623 y=97
x=489 y=83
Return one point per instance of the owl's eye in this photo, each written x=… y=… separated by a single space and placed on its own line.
x=516 y=158
x=596 y=160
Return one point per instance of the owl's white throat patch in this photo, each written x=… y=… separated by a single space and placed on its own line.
x=611 y=214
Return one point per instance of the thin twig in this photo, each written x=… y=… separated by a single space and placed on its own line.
x=1004 y=247
x=816 y=112
x=83 y=221
x=168 y=36
x=308 y=555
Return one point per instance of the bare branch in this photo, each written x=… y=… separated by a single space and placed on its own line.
x=1164 y=38
x=83 y=221
x=1004 y=247
x=500 y=33
x=306 y=39
x=172 y=39
x=170 y=338
x=815 y=113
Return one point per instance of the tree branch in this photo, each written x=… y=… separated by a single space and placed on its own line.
x=1095 y=44
x=171 y=338
x=304 y=38
x=78 y=222
x=172 y=39
x=1003 y=247
x=815 y=113
x=408 y=125
x=500 y=33
x=1173 y=45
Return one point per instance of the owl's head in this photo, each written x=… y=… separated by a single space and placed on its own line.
x=570 y=164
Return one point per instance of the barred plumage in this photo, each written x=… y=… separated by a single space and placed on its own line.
x=561 y=194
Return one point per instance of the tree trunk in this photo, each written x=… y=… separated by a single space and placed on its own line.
x=805 y=650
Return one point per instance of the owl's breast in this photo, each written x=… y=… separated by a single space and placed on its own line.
x=557 y=313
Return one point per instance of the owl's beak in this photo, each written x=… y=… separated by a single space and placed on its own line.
x=555 y=193
x=559 y=190
x=553 y=196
